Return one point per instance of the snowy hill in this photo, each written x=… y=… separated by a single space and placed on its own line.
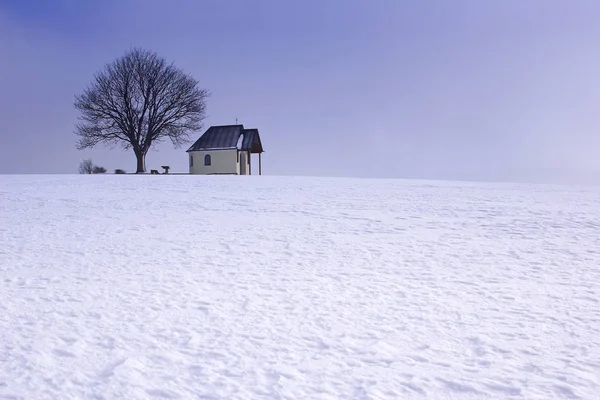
x=132 y=287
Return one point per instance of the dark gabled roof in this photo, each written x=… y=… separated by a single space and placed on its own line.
x=252 y=141
x=224 y=137
x=218 y=137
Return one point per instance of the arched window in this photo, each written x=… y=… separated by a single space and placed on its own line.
x=207 y=160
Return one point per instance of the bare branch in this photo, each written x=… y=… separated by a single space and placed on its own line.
x=86 y=166
x=139 y=100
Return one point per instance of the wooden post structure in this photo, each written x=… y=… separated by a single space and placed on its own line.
x=249 y=163
x=259 y=164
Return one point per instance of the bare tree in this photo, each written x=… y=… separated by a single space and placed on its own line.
x=137 y=101
x=86 y=166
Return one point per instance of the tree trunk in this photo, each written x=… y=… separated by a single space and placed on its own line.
x=141 y=162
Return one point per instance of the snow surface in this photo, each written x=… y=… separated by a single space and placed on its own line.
x=196 y=287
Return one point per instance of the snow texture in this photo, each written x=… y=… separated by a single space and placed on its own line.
x=205 y=287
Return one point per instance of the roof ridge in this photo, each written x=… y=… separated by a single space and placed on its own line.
x=225 y=126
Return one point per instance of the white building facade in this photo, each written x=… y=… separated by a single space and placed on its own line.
x=225 y=150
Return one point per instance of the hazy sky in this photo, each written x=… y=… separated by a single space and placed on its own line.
x=446 y=89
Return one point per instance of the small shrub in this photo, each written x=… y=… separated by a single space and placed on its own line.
x=86 y=166
x=98 y=170
x=119 y=171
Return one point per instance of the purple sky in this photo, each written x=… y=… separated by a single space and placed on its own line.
x=455 y=89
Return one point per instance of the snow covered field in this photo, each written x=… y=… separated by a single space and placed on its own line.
x=133 y=287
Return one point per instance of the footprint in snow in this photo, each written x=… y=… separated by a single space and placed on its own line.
x=63 y=353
